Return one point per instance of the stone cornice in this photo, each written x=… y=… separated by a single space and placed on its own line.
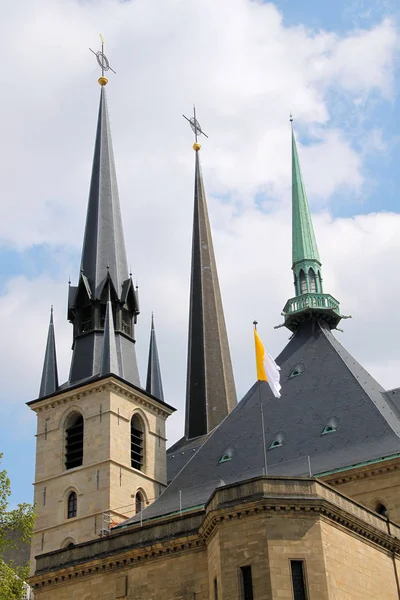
x=287 y=497
x=362 y=472
x=110 y=384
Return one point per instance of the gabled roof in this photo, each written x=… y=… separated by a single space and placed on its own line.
x=322 y=384
x=103 y=245
x=210 y=386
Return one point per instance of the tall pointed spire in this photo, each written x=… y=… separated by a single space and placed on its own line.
x=304 y=245
x=103 y=242
x=154 y=383
x=310 y=300
x=210 y=389
x=49 y=382
x=104 y=269
x=109 y=359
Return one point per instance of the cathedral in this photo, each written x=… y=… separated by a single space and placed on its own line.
x=262 y=499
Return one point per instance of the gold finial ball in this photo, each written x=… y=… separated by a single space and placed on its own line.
x=196 y=146
x=103 y=80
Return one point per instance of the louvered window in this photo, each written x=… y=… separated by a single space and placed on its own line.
x=126 y=322
x=137 y=443
x=86 y=319
x=74 y=442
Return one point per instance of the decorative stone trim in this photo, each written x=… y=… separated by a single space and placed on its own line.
x=359 y=473
x=110 y=385
x=318 y=501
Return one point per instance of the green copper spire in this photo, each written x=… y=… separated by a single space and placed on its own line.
x=304 y=244
x=306 y=262
x=310 y=300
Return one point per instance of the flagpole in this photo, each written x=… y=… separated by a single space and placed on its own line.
x=255 y=323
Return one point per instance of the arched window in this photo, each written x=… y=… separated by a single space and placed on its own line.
x=72 y=505
x=381 y=509
x=303 y=282
x=139 y=502
x=312 y=282
x=74 y=441
x=137 y=443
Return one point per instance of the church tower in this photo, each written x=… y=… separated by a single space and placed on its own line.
x=100 y=443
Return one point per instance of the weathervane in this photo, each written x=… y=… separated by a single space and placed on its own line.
x=102 y=62
x=196 y=128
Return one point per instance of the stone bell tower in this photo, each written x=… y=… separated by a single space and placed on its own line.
x=100 y=443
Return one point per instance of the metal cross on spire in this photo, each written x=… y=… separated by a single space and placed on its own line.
x=103 y=62
x=195 y=125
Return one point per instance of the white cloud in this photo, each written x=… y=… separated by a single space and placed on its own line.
x=235 y=58
x=245 y=70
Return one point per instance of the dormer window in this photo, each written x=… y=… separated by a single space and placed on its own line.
x=296 y=371
x=277 y=441
x=227 y=455
x=330 y=427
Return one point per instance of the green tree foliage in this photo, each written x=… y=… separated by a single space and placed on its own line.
x=15 y=526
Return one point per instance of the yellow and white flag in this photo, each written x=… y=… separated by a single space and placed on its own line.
x=267 y=369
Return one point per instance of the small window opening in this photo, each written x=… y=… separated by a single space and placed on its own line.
x=74 y=442
x=328 y=429
x=298 y=580
x=296 y=371
x=331 y=426
x=303 y=283
x=86 y=320
x=139 y=502
x=247 y=583
x=381 y=510
x=137 y=443
x=103 y=308
x=275 y=444
x=227 y=455
x=312 y=281
x=72 y=505
x=126 y=322
x=70 y=545
x=215 y=589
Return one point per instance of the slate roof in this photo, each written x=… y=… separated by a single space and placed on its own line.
x=104 y=274
x=210 y=387
x=331 y=389
x=109 y=359
x=154 y=382
x=49 y=381
x=103 y=244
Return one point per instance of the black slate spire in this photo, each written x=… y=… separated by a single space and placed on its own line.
x=49 y=382
x=210 y=391
x=109 y=360
x=104 y=270
x=154 y=382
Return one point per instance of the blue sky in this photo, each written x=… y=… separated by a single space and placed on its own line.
x=347 y=124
